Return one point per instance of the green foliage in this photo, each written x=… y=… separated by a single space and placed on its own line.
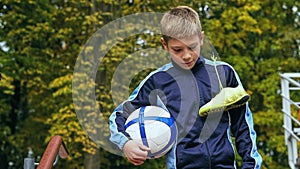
x=43 y=39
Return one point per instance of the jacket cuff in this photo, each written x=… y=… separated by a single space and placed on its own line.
x=123 y=142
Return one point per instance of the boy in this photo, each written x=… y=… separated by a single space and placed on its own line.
x=186 y=85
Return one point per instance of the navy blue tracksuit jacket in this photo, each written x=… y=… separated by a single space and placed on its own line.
x=203 y=142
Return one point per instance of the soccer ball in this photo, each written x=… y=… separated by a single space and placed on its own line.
x=153 y=127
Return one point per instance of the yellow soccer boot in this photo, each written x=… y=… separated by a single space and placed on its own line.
x=228 y=98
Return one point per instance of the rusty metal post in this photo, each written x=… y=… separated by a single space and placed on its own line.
x=55 y=147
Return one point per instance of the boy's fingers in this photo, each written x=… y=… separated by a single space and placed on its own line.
x=138 y=158
x=136 y=162
x=144 y=148
x=135 y=152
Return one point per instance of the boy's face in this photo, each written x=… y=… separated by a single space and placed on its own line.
x=184 y=52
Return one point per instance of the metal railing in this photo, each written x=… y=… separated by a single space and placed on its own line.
x=290 y=123
x=55 y=149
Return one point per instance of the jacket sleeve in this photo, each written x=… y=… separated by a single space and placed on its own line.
x=242 y=128
x=139 y=97
x=245 y=137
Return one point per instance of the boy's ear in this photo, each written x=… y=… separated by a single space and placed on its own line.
x=163 y=42
x=201 y=38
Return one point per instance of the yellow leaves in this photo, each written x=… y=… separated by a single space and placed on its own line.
x=6 y=83
x=228 y=26
x=254 y=6
x=62 y=91
x=245 y=17
x=273 y=28
x=68 y=9
x=258 y=31
x=61 y=81
x=88 y=49
x=65 y=123
x=240 y=18
x=65 y=31
x=92 y=19
x=39 y=27
x=31 y=2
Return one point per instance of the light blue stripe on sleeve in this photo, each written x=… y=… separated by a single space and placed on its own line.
x=254 y=152
x=115 y=136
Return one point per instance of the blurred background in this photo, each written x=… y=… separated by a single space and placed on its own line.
x=41 y=40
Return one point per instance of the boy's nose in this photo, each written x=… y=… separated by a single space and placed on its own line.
x=187 y=56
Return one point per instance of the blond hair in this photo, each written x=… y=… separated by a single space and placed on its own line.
x=180 y=22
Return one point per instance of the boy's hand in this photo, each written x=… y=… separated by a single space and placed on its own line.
x=135 y=152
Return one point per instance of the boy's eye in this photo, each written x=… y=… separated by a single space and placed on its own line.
x=192 y=47
x=177 y=50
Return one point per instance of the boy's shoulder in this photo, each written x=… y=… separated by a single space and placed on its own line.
x=218 y=63
x=165 y=67
x=161 y=71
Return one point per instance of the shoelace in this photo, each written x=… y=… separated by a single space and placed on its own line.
x=214 y=59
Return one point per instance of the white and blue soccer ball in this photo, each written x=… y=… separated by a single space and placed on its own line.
x=153 y=127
